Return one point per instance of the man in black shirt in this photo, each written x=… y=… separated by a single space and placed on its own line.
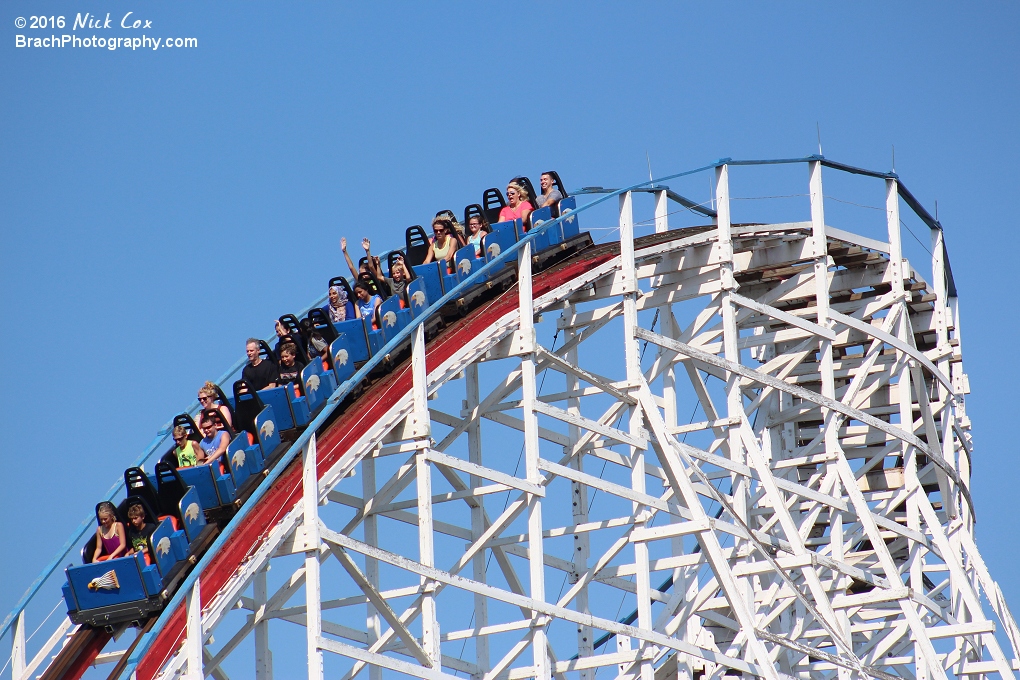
x=259 y=373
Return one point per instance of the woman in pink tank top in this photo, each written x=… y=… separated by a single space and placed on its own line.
x=111 y=539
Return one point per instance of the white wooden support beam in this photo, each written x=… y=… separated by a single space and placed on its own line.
x=532 y=455
x=426 y=545
x=193 y=638
x=421 y=427
x=635 y=430
x=543 y=608
x=797 y=391
x=263 y=652
x=579 y=502
x=661 y=212
x=709 y=542
x=313 y=593
x=383 y=661
x=636 y=439
x=730 y=339
x=19 y=657
x=371 y=527
x=566 y=367
x=480 y=471
x=474 y=434
x=383 y=607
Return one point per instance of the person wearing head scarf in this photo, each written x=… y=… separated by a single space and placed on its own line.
x=336 y=308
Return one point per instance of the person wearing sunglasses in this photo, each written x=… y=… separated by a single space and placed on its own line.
x=188 y=452
x=444 y=245
x=518 y=207
x=208 y=398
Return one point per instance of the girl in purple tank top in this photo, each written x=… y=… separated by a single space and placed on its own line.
x=111 y=539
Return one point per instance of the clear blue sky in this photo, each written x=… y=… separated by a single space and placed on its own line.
x=158 y=207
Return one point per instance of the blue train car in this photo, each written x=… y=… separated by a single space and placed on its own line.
x=127 y=589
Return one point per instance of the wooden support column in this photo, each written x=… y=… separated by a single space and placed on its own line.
x=730 y=338
x=313 y=594
x=263 y=653
x=579 y=505
x=661 y=212
x=193 y=640
x=830 y=419
x=525 y=346
x=372 y=620
x=915 y=559
x=474 y=436
x=19 y=658
x=423 y=468
x=637 y=455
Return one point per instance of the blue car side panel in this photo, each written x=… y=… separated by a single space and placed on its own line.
x=355 y=332
x=552 y=236
x=269 y=433
x=237 y=460
x=225 y=488
x=466 y=261
x=315 y=389
x=163 y=552
x=430 y=277
x=278 y=398
x=68 y=595
x=128 y=571
x=343 y=363
x=191 y=513
x=571 y=225
x=418 y=297
x=498 y=241
x=375 y=339
x=389 y=314
x=201 y=479
x=151 y=580
x=179 y=545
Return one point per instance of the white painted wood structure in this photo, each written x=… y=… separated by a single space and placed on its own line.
x=813 y=519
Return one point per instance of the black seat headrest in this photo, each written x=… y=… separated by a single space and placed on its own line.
x=472 y=210
x=247 y=405
x=417 y=245
x=492 y=203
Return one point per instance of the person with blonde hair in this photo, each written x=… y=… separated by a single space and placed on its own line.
x=111 y=539
x=187 y=452
x=518 y=206
x=207 y=398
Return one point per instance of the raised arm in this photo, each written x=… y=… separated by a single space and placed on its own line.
x=374 y=268
x=350 y=265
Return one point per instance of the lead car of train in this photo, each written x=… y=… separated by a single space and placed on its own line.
x=189 y=505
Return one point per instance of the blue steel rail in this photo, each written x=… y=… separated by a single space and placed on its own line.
x=402 y=337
